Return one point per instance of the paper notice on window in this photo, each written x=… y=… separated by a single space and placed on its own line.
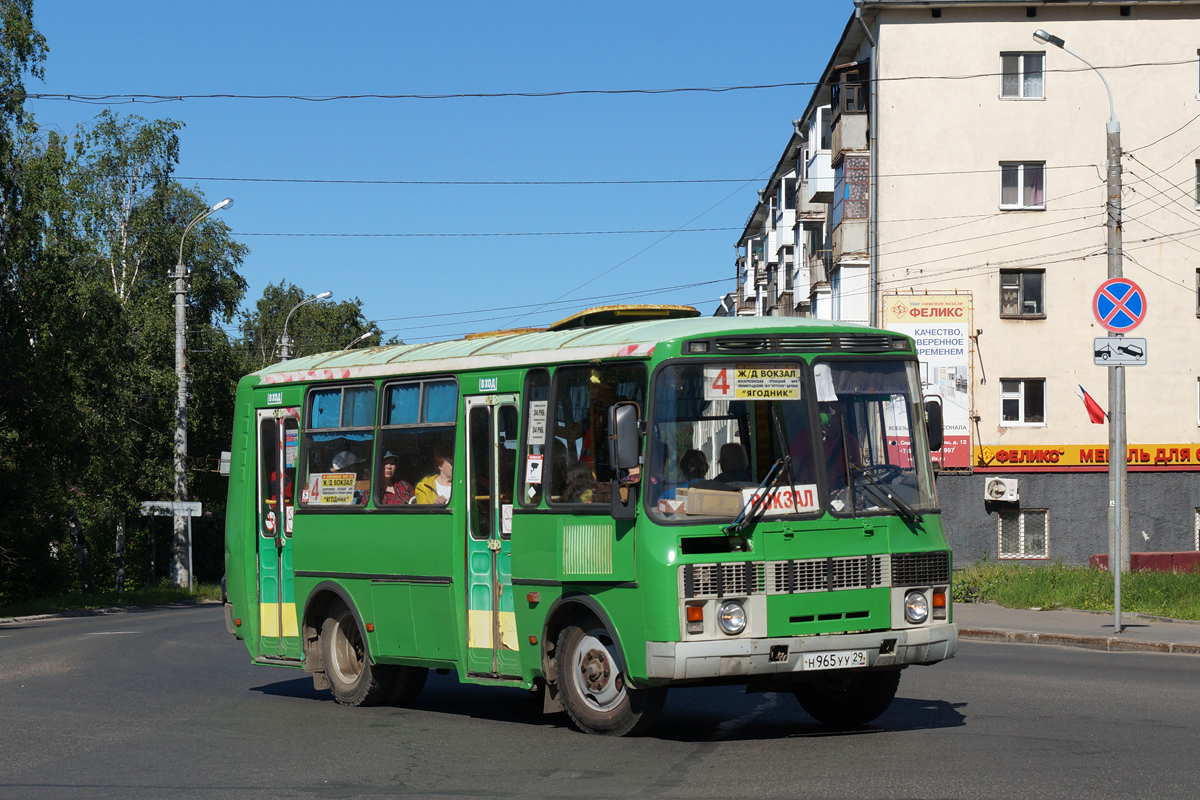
x=506 y=518
x=331 y=488
x=752 y=382
x=824 y=380
x=533 y=468
x=537 y=422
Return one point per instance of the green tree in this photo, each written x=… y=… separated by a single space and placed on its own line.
x=318 y=327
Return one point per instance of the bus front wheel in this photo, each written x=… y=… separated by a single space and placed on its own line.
x=353 y=679
x=844 y=699
x=593 y=684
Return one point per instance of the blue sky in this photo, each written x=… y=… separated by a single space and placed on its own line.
x=303 y=48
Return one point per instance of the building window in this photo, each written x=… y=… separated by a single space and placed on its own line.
x=1197 y=529
x=1024 y=533
x=1198 y=292
x=1021 y=75
x=1198 y=183
x=789 y=193
x=1022 y=184
x=1021 y=293
x=1022 y=401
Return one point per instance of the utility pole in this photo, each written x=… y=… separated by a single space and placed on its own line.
x=183 y=540
x=1118 y=450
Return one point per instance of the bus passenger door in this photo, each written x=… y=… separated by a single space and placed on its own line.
x=278 y=441
x=492 y=647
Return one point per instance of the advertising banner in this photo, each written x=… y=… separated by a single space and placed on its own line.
x=941 y=326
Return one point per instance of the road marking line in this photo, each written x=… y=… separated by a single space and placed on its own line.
x=109 y=633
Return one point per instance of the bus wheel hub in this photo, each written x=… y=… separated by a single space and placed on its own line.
x=596 y=670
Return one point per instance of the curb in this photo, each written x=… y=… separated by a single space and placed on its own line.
x=1112 y=644
x=101 y=612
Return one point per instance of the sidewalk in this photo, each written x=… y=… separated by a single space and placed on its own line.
x=989 y=622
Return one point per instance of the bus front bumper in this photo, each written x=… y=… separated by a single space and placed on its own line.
x=729 y=658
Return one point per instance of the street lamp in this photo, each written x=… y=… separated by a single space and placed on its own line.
x=183 y=538
x=358 y=339
x=285 y=344
x=1118 y=522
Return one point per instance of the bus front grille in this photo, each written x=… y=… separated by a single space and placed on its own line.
x=746 y=578
x=826 y=574
x=735 y=579
x=921 y=569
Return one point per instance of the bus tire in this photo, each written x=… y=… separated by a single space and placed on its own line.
x=407 y=685
x=353 y=679
x=843 y=699
x=593 y=685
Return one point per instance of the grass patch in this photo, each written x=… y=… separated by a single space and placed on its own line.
x=142 y=597
x=1164 y=594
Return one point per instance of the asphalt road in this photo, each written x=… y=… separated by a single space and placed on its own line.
x=164 y=703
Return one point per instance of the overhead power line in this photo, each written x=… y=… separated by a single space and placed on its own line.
x=515 y=233
x=132 y=97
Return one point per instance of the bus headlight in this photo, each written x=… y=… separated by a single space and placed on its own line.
x=916 y=607
x=731 y=618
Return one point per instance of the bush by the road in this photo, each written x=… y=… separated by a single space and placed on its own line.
x=1175 y=595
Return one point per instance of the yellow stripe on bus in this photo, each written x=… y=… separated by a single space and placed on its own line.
x=268 y=620
x=480 y=627
x=508 y=630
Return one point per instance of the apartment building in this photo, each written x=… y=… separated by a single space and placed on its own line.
x=949 y=181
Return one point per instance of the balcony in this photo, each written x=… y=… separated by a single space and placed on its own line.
x=819 y=186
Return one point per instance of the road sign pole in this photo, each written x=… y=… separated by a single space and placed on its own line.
x=1118 y=524
x=1120 y=515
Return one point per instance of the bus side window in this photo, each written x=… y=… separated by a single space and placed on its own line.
x=416 y=437
x=579 y=471
x=533 y=460
x=338 y=443
x=268 y=444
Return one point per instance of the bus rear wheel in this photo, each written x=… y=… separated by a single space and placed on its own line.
x=353 y=679
x=593 y=685
x=843 y=699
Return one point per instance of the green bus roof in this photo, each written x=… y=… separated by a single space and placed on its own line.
x=630 y=340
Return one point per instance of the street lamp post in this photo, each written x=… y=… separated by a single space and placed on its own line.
x=358 y=339
x=183 y=525
x=1118 y=518
x=285 y=343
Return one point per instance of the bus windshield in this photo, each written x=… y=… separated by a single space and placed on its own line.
x=850 y=435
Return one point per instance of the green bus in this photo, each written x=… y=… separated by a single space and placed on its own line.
x=631 y=499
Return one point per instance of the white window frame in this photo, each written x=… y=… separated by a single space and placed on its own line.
x=1019 y=395
x=1021 y=167
x=1022 y=552
x=1021 y=70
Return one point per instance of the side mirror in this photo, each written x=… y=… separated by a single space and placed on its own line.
x=624 y=458
x=623 y=436
x=933 y=423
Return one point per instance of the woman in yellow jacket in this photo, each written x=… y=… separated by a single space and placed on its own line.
x=435 y=489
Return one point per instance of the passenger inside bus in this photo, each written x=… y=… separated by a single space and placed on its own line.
x=435 y=489
x=832 y=456
x=735 y=466
x=396 y=491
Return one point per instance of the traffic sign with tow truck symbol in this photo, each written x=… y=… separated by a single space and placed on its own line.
x=1119 y=352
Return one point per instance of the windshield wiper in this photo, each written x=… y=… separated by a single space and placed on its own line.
x=750 y=513
x=782 y=466
x=883 y=493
